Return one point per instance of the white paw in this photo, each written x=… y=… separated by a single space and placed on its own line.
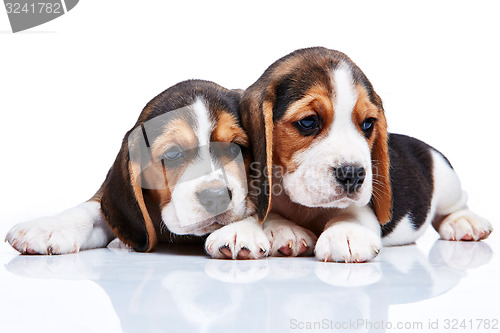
x=239 y=240
x=46 y=236
x=464 y=225
x=66 y=232
x=347 y=242
x=288 y=239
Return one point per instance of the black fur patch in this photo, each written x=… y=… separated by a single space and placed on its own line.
x=411 y=180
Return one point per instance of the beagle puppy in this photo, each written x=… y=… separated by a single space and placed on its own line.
x=181 y=170
x=324 y=162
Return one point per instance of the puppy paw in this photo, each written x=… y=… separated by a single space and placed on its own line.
x=288 y=239
x=464 y=225
x=347 y=242
x=240 y=240
x=66 y=232
x=44 y=236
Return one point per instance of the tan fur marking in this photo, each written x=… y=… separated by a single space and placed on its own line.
x=269 y=126
x=288 y=142
x=135 y=169
x=177 y=132
x=364 y=109
x=382 y=192
x=228 y=130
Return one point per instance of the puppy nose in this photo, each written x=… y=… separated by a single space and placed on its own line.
x=350 y=177
x=215 y=200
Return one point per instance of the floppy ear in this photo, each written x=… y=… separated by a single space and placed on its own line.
x=257 y=119
x=382 y=192
x=123 y=204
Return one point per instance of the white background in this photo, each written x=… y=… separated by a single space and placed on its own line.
x=71 y=88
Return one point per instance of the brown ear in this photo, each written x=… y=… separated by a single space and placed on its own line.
x=382 y=192
x=257 y=118
x=123 y=203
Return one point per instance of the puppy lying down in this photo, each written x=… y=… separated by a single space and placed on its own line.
x=181 y=170
x=326 y=163
x=299 y=163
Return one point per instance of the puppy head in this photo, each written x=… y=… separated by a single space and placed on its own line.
x=325 y=133
x=182 y=166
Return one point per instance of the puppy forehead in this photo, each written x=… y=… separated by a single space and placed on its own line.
x=216 y=122
x=293 y=76
x=204 y=124
x=345 y=95
x=198 y=125
x=333 y=87
x=196 y=120
x=178 y=131
x=294 y=86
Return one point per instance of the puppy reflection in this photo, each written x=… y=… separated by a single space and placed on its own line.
x=181 y=296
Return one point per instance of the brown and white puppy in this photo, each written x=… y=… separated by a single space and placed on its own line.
x=182 y=169
x=325 y=162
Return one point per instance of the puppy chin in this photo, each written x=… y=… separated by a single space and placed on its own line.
x=211 y=227
x=336 y=199
x=199 y=226
x=342 y=203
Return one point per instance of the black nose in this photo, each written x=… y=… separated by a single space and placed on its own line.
x=350 y=177
x=215 y=200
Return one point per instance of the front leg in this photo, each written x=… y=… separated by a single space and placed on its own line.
x=287 y=238
x=352 y=236
x=78 y=228
x=244 y=239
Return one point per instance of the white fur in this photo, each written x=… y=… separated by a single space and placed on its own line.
x=245 y=234
x=448 y=195
x=204 y=125
x=464 y=225
x=345 y=94
x=354 y=237
x=404 y=233
x=313 y=183
x=283 y=233
x=78 y=228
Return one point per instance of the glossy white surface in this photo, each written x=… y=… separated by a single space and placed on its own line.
x=178 y=289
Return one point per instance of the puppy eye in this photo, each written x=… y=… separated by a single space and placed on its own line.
x=225 y=150
x=308 y=125
x=234 y=149
x=173 y=154
x=367 y=125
